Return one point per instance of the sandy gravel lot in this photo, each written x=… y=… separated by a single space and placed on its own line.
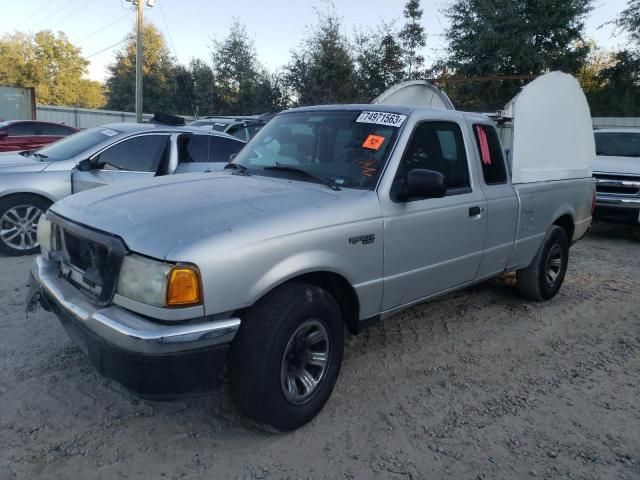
x=477 y=385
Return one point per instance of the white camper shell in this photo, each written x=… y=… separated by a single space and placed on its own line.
x=551 y=123
x=552 y=131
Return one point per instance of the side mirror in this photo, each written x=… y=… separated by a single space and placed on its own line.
x=85 y=165
x=423 y=183
x=3 y=134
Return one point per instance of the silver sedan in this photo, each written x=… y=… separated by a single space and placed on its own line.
x=30 y=181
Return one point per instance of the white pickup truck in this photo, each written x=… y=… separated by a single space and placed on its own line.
x=331 y=216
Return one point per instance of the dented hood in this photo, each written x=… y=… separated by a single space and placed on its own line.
x=158 y=216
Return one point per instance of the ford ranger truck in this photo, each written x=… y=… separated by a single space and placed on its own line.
x=331 y=217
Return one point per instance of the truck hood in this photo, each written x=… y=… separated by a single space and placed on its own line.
x=619 y=165
x=159 y=216
x=14 y=162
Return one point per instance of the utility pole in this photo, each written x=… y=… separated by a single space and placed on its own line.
x=139 y=60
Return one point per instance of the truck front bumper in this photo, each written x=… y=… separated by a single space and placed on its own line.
x=149 y=358
x=613 y=208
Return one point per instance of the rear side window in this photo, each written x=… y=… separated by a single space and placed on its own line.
x=55 y=130
x=138 y=154
x=439 y=146
x=207 y=148
x=491 y=158
x=21 y=129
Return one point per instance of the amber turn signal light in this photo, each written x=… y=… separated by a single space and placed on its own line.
x=183 y=287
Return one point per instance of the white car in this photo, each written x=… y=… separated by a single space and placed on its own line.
x=617 y=174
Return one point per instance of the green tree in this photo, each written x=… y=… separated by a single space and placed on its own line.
x=236 y=71
x=379 y=62
x=629 y=20
x=321 y=69
x=159 y=75
x=512 y=37
x=206 y=98
x=53 y=65
x=620 y=95
x=413 y=39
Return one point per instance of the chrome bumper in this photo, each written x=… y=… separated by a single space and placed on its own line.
x=603 y=200
x=122 y=328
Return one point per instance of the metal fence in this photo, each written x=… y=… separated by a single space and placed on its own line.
x=86 y=117
x=609 y=122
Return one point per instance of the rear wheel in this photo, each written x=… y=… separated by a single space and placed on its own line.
x=286 y=357
x=19 y=216
x=543 y=278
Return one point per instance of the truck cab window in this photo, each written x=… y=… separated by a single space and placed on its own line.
x=438 y=146
x=491 y=158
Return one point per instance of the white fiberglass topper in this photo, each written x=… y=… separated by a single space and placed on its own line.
x=552 y=130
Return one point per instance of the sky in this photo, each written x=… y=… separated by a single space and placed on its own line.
x=276 y=27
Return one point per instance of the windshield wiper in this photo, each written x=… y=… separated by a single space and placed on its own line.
x=240 y=169
x=317 y=178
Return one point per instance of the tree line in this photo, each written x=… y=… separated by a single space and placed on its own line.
x=493 y=49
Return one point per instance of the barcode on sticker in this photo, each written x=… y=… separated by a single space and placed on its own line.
x=382 y=118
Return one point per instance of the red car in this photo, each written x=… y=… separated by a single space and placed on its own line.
x=30 y=134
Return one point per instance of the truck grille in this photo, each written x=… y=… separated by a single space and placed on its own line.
x=625 y=185
x=90 y=259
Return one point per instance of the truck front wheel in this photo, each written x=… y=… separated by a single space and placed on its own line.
x=286 y=357
x=543 y=278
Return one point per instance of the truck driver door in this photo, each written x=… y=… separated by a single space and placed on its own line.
x=432 y=244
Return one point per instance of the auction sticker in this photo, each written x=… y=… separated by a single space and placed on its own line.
x=109 y=133
x=382 y=118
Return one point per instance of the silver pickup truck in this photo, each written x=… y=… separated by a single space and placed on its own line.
x=331 y=216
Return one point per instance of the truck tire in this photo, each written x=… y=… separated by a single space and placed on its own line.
x=286 y=356
x=19 y=216
x=543 y=278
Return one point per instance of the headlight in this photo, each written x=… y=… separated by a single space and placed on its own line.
x=158 y=284
x=43 y=234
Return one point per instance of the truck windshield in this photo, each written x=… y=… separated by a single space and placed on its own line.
x=341 y=148
x=618 y=144
x=75 y=144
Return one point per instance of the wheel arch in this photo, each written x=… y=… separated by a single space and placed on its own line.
x=336 y=285
x=34 y=193
x=566 y=222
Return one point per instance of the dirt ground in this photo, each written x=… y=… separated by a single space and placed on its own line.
x=477 y=385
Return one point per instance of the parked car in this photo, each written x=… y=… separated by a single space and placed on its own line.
x=331 y=215
x=32 y=180
x=242 y=127
x=18 y=135
x=617 y=174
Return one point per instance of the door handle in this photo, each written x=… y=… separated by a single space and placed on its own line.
x=475 y=211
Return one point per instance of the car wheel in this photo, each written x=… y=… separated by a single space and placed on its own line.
x=286 y=357
x=543 y=278
x=19 y=216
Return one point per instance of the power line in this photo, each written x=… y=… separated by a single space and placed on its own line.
x=71 y=15
x=128 y=14
x=56 y=13
x=35 y=12
x=184 y=81
x=105 y=49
